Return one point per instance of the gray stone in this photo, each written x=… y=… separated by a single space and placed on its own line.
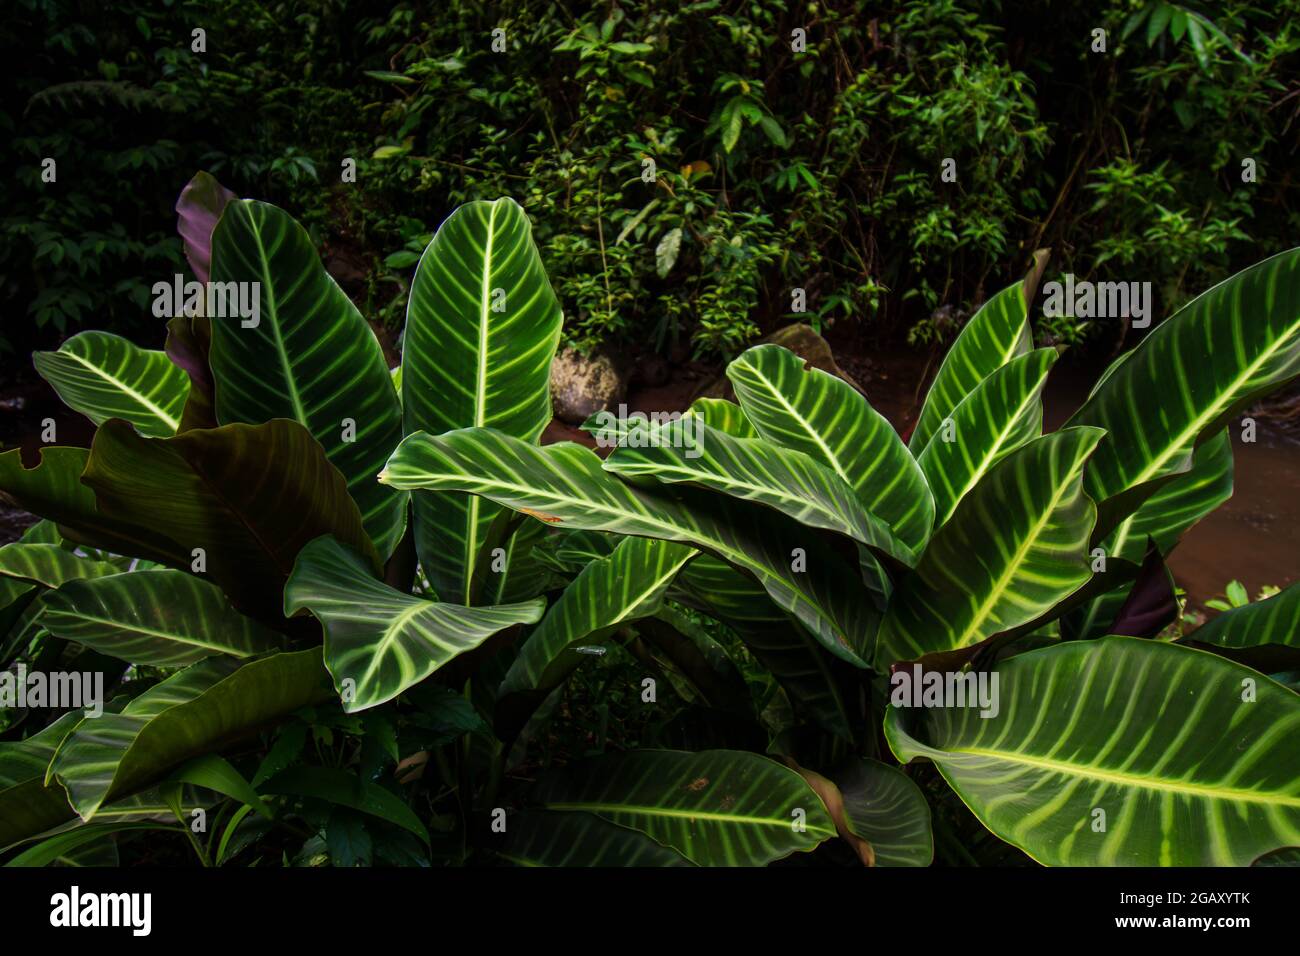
x=582 y=385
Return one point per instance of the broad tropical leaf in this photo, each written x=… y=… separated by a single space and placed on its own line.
x=27 y=806
x=160 y=617
x=250 y=496
x=608 y=593
x=885 y=808
x=1275 y=620
x=817 y=684
x=1163 y=518
x=565 y=484
x=1188 y=766
x=1189 y=377
x=996 y=334
x=49 y=565
x=336 y=786
x=207 y=705
x=756 y=470
x=379 y=641
x=716 y=807
x=310 y=358
x=723 y=415
x=53 y=489
x=543 y=838
x=999 y=415
x=808 y=410
x=1016 y=545
x=482 y=326
x=105 y=376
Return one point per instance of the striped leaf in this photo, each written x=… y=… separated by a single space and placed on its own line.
x=826 y=418
x=609 y=592
x=715 y=808
x=999 y=415
x=311 y=358
x=1016 y=546
x=206 y=706
x=1188 y=768
x=542 y=838
x=818 y=685
x=524 y=574
x=482 y=326
x=1191 y=375
x=756 y=470
x=49 y=565
x=565 y=484
x=1275 y=620
x=723 y=415
x=250 y=496
x=379 y=641
x=996 y=334
x=160 y=617
x=105 y=376
x=1164 y=517
x=884 y=807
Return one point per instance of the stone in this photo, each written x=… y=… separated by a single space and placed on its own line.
x=582 y=385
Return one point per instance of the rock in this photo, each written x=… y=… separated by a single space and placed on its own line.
x=582 y=385
x=803 y=342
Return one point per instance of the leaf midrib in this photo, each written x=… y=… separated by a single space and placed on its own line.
x=1120 y=778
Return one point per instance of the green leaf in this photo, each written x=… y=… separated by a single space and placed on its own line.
x=162 y=617
x=1275 y=620
x=608 y=593
x=49 y=565
x=884 y=807
x=311 y=358
x=755 y=470
x=1014 y=548
x=27 y=806
x=826 y=418
x=543 y=838
x=816 y=683
x=482 y=326
x=53 y=490
x=214 y=772
x=196 y=710
x=105 y=376
x=343 y=789
x=52 y=849
x=1157 y=736
x=565 y=484
x=349 y=843
x=379 y=641
x=995 y=335
x=1190 y=376
x=999 y=415
x=670 y=246
x=1164 y=517
x=249 y=495
x=723 y=415
x=715 y=808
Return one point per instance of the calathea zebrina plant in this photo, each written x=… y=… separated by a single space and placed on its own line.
x=1009 y=580
x=330 y=642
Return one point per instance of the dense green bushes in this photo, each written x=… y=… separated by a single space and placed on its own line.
x=775 y=170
